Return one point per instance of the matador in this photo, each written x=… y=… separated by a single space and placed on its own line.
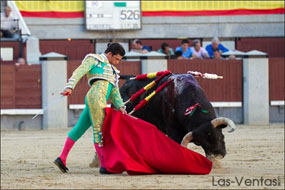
x=103 y=78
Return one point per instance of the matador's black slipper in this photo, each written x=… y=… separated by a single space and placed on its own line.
x=58 y=162
x=104 y=171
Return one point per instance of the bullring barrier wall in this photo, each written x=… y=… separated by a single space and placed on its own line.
x=21 y=89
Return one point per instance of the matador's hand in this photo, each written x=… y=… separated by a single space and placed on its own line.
x=66 y=92
x=122 y=109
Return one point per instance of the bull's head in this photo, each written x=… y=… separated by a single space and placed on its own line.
x=210 y=137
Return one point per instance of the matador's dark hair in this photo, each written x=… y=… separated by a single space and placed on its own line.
x=115 y=48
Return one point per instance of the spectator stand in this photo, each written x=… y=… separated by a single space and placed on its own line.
x=8 y=45
x=17 y=39
x=155 y=44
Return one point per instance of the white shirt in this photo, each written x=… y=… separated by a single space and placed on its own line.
x=202 y=53
x=8 y=23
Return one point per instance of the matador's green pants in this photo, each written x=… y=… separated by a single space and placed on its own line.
x=93 y=113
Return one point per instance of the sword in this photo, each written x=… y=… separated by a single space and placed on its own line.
x=53 y=103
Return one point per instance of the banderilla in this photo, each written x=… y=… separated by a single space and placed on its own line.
x=53 y=103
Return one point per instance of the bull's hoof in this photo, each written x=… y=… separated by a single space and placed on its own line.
x=104 y=171
x=58 y=162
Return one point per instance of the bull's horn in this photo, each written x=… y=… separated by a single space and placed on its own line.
x=186 y=139
x=223 y=120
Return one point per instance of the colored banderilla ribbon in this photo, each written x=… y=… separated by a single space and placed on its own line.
x=190 y=111
x=149 y=75
x=204 y=75
x=148 y=86
x=145 y=101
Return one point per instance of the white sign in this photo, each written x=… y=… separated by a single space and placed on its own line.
x=7 y=53
x=113 y=15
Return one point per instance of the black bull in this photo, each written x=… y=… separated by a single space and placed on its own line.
x=166 y=111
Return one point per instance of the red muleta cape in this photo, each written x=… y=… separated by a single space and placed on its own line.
x=138 y=147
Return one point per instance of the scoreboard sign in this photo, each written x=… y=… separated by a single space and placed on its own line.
x=113 y=15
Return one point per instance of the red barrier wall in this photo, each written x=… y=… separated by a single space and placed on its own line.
x=273 y=46
x=74 y=49
x=21 y=86
x=228 y=89
x=276 y=78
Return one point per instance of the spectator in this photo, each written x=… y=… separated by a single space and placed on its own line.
x=186 y=50
x=139 y=47
x=8 y=24
x=215 y=46
x=20 y=61
x=178 y=55
x=166 y=50
x=217 y=54
x=199 y=51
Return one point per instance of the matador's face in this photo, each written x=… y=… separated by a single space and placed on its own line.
x=114 y=59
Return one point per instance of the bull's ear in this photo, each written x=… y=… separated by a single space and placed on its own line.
x=222 y=126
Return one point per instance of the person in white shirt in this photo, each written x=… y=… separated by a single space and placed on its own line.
x=198 y=51
x=8 y=23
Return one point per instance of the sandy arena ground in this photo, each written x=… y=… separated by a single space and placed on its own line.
x=254 y=152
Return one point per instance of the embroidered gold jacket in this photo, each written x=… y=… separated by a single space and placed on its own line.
x=96 y=66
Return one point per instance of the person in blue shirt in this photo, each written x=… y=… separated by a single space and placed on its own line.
x=139 y=47
x=215 y=46
x=186 y=50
